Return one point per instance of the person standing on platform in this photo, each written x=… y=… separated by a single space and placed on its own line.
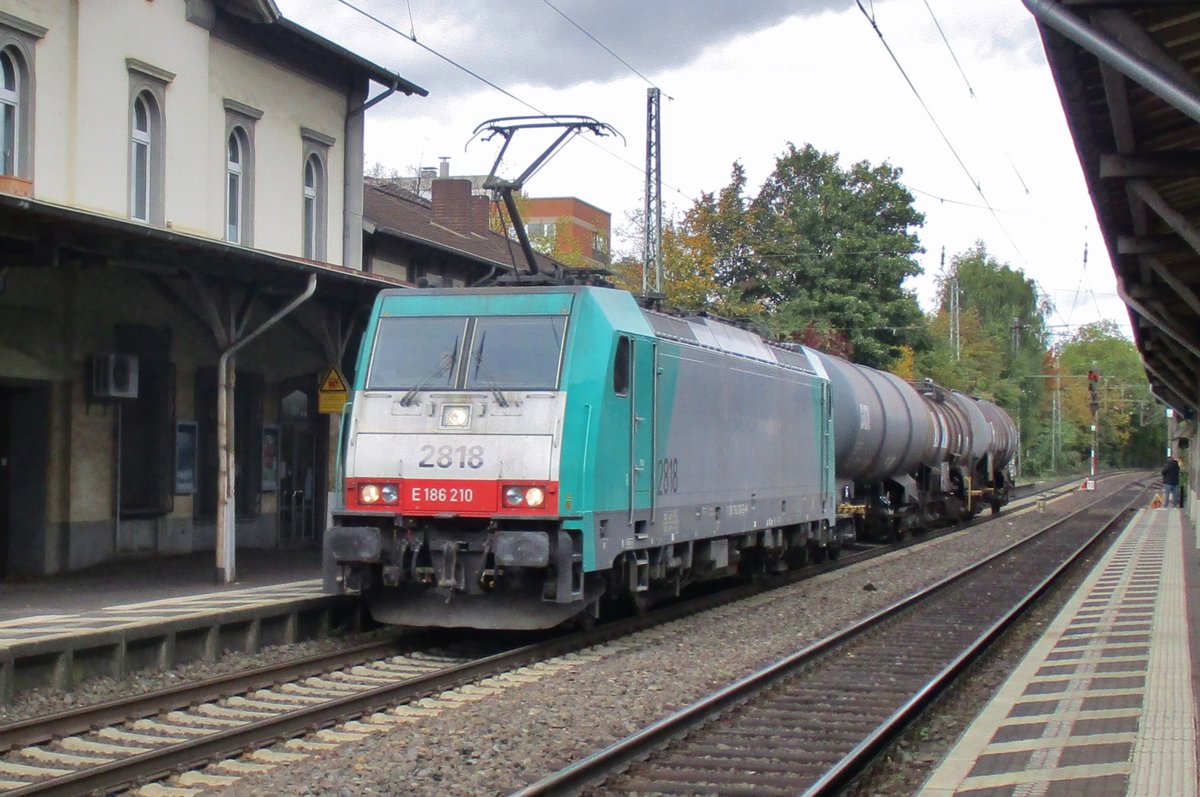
x=1170 y=477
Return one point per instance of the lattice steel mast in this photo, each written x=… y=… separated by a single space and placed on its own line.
x=652 y=240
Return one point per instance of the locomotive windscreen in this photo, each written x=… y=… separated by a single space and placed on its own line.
x=416 y=353
x=515 y=352
x=503 y=353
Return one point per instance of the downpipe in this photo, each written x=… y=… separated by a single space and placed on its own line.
x=226 y=542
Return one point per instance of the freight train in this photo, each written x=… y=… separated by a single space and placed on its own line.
x=523 y=457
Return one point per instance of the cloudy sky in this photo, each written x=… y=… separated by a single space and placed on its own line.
x=743 y=79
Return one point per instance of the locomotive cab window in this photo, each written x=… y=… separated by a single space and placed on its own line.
x=621 y=367
x=418 y=353
x=515 y=353
x=503 y=353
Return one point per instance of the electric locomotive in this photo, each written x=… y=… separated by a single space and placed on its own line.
x=515 y=456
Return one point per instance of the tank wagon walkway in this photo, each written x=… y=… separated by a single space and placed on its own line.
x=1105 y=702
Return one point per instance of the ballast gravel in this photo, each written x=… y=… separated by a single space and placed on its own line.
x=556 y=713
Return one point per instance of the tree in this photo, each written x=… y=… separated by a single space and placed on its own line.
x=1003 y=340
x=823 y=248
x=689 y=270
x=1131 y=429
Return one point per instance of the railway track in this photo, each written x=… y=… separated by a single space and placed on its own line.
x=809 y=723
x=140 y=739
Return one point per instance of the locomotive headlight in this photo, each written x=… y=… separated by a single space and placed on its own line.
x=457 y=416
x=531 y=497
x=389 y=493
x=535 y=496
x=368 y=493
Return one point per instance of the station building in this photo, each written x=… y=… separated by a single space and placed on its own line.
x=182 y=190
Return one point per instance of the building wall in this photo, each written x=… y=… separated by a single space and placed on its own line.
x=82 y=126
x=584 y=223
x=55 y=314
x=288 y=102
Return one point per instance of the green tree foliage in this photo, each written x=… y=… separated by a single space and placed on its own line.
x=1131 y=425
x=1003 y=339
x=691 y=255
x=822 y=249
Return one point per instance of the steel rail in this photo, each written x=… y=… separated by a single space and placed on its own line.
x=36 y=730
x=163 y=761
x=598 y=767
x=857 y=760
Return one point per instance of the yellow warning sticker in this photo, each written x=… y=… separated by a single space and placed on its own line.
x=333 y=393
x=333 y=382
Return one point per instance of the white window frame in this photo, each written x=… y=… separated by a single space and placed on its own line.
x=239 y=178
x=141 y=149
x=18 y=43
x=10 y=113
x=236 y=150
x=312 y=194
x=314 y=207
x=148 y=86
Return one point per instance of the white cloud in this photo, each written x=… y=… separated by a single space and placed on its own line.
x=746 y=78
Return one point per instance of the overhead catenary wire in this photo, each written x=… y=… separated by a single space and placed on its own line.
x=971 y=89
x=606 y=48
x=946 y=41
x=413 y=38
x=937 y=126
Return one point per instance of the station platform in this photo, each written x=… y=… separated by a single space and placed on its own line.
x=138 y=579
x=1104 y=704
x=158 y=613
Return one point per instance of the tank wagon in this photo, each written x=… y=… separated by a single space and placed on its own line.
x=521 y=457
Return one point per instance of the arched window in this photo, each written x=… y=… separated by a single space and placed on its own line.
x=235 y=172
x=142 y=157
x=147 y=141
x=313 y=190
x=10 y=108
x=240 y=120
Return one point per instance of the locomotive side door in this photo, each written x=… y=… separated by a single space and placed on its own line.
x=641 y=433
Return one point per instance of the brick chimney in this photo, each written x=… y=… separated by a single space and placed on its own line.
x=455 y=208
x=482 y=216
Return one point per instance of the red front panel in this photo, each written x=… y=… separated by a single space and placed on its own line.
x=453 y=497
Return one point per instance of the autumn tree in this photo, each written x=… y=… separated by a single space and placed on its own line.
x=1131 y=428
x=1002 y=336
x=692 y=255
x=825 y=248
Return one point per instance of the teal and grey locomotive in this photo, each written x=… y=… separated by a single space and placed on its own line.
x=516 y=457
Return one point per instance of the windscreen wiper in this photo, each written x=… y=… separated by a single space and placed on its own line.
x=491 y=384
x=444 y=366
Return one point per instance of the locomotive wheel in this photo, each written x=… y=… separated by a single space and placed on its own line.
x=584 y=621
x=816 y=553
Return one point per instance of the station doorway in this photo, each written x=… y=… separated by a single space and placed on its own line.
x=301 y=465
x=24 y=460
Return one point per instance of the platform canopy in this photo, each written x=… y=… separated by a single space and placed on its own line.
x=1128 y=74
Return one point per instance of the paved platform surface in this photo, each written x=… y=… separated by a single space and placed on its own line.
x=137 y=591
x=1104 y=704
